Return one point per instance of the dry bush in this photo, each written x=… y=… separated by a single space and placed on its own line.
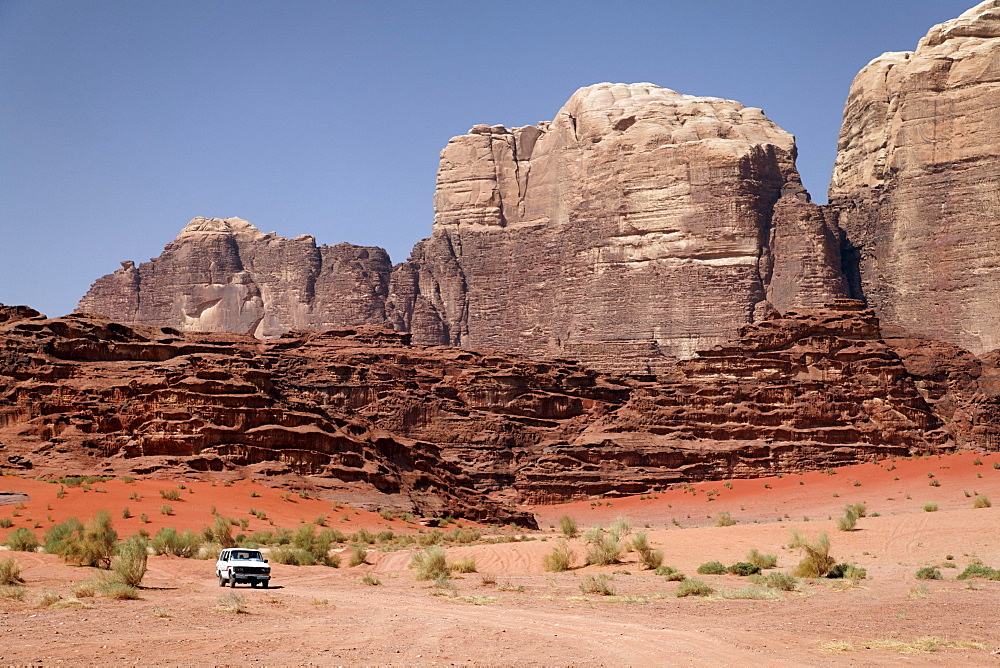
x=755 y=593
x=371 y=580
x=464 y=565
x=47 y=598
x=358 y=555
x=430 y=564
x=568 y=526
x=723 y=519
x=670 y=574
x=559 y=559
x=597 y=585
x=930 y=507
x=232 y=603
x=981 y=502
x=694 y=588
x=604 y=547
x=130 y=562
x=10 y=573
x=12 y=592
x=781 y=581
x=761 y=560
x=649 y=558
x=816 y=561
x=620 y=528
x=168 y=541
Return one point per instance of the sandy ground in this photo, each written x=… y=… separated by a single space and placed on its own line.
x=325 y=616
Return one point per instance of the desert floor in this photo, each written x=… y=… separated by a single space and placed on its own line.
x=513 y=612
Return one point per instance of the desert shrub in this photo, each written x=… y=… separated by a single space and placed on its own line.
x=712 y=568
x=670 y=574
x=126 y=513
x=166 y=509
x=743 y=568
x=981 y=502
x=752 y=593
x=6 y=523
x=597 y=585
x=220 y=532
x=292 y=556
x=371 y=580
x=47 y=597
x=559 y=559
x=464 y=565
x=781 y=581
x=432 y=537
x=10 y=573
x=22 y=540
x=977 y=569
x=358 y=555
x=130 y=562
x=12 y=592
x=649 y=558
x=620 y=528
x=168 y=541
x=317 y=545
x=232 y=603
x=930 y=507
x=568 y=526
x=92 y=544
x=386 y=514
x=761 y=560
x=209 y=552
x=430 y=564
x=114 y=587
x=363 y=536
x=604 y=549
x=723 y=519
x=816 y=560
x=928 y=573
x=856 y=509
x=170 y=494
x=694 y=588
x=85 y=589
x=847 y=523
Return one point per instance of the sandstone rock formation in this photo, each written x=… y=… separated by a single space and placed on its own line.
x=442 y=429
x=228 y=276
x=638 y=226
x=917 y=182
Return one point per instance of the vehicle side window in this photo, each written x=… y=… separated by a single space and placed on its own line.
x=224 y=556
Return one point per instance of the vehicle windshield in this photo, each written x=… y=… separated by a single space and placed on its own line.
x=252 y=555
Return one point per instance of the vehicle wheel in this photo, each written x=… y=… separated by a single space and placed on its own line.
x=265 y=584
x=222 y=581
x=232 y=582
x=253 y=584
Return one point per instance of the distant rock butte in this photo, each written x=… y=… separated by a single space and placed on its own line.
x=637 y=227
x=228 y=276
x=917 y=182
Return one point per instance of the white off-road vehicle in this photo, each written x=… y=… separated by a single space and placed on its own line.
x=239 y=564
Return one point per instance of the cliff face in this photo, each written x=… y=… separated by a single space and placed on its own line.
x=447 y=430
x=917 y=182
x=228 y=276
x=637 y=227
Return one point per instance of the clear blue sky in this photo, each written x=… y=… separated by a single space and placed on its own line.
x=120 y=120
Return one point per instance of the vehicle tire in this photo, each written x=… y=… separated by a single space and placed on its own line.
x=265 y=584
x=232 y=582
x=254 y=584
x=222 y=581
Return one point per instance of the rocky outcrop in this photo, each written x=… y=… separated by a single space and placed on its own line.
x=639 y=225
x=442 y=429
x=228 y=276
x=917 y=182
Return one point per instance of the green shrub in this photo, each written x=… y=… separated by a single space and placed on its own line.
x=760 y=560
x=56 y=537
x=358 y=555
x=604 y=548
x=292 y=556
x=170 y=494
x=694 y=588
x=930 y=507
x=670 y=574
x=220 y=532
x=464 y=565
x=568 y=526
x=22 y=540
x=168 y=541
x=92 y=544
x=847 y=523
x=816 y=560
x=977 y=569
x=166 y=509
x=981 y=502
x=723 y=519
x=743 y=568
x=371 y=580
x=600 y=585
x=130 y=562
x=430 y=564
x=928 y=573
x=781 y=581
x=6 y=522
x=10 y=573
x=559 y=559
x=649 y=558
x=712 y=568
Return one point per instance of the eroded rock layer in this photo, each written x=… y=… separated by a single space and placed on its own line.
x=450 y=430
x=228 y=276
x=639 y=226
x=917 y=182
